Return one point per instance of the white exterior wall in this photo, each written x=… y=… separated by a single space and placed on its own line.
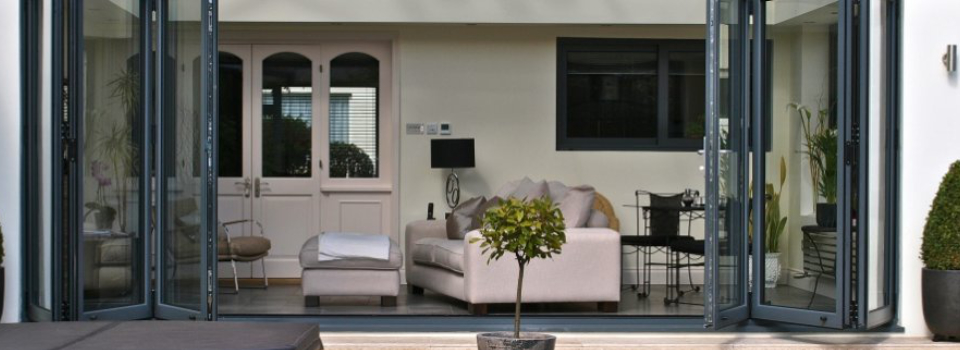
x=10 y=155
x=929 y=104
x=931 y=99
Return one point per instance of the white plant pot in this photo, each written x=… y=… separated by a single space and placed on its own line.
x=771 y=270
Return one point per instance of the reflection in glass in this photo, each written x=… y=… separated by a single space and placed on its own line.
x=181 y=146
x=730 y=282
x=878 y=200
x=685 y=101
x=354 y=116
x=231 y=116
x=799 y=222
x=112 y=241
x=287 y=115
x=612 y=94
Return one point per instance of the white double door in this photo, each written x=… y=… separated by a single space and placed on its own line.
x=273 y=121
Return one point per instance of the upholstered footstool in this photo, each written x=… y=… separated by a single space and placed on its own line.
x=349 y=277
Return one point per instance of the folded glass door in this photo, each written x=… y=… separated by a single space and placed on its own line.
x=726 y=158
x=800 y=222
x=107 y=164
x=186 y=63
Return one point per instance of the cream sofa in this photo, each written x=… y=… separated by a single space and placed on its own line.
x=587 y=270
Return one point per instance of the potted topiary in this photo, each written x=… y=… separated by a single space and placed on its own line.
x=940 y=252
x=527 y=230
x=2 y=272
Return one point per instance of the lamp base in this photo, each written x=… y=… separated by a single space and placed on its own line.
x=453 y=189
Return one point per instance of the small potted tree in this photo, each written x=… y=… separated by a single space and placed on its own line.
x=527 y=230
x=940 y=252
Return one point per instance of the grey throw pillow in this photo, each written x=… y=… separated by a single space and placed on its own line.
x=576 y=206
x=490 y=203
x=534 y=191
x=598 y=219
x=463 y=218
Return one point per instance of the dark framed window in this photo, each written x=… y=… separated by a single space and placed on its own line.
x=630 y=94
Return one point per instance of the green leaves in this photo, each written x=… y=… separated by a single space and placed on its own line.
x=941 y=235
x=820 y=140
x=775 y=221
x=526 y=229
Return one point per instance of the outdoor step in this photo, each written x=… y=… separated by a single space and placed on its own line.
x=647 y=341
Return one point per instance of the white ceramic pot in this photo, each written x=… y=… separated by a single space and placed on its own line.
x=771 y=270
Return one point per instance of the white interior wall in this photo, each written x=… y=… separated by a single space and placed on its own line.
x=10 y=157
x=930 y=101
x=498 y=85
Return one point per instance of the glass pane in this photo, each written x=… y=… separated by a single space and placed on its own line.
x=729 y=94
x=878 y=202
x=112 y=240
x=354 y=115
x=287 y=115
x=231 y=116
x=799 y=224
x=685 y=97
x=181 y=156
x=612 y=95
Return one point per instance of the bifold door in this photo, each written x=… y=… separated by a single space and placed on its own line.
x=801 y=154
x=134 y=161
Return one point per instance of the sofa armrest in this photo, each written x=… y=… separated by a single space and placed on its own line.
x=418 y=230
x=586 y=270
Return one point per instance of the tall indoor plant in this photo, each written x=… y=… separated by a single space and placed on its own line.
x=774 y=227
x=940 y=252
x=527 y=230
x=820 y=143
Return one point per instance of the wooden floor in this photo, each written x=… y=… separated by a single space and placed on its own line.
x=288 y=300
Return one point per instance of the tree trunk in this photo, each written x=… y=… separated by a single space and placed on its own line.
x=516 y=316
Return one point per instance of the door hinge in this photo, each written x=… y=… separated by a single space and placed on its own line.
x=320 y=68
x=854 y=313
x=850 y=152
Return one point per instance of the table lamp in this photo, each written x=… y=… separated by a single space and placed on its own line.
x=452 y=154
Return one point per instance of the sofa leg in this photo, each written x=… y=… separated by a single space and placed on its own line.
x=388 y=301
x=608 y=306
x=412 y=289
x=311 y=301
x=477 y=309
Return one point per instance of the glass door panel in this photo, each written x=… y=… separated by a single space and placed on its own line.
x=876 y=163
x=113 y=228
x=798 y=244
x=726 y=161
x=186 y=63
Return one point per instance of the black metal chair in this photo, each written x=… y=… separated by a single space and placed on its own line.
x=661 y=228
x=678 y=250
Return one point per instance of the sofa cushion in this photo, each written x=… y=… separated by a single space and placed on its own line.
x=438 y=252
x=308 y=259
x=535 y=190
x=557 y=190
x=576 y=206
x=509 y=188
x=463 y=219
x=598 y=219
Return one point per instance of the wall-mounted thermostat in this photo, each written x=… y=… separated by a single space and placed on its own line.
x=432 y=128
x=445 y=128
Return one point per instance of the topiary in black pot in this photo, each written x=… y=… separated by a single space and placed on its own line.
x=941 y=258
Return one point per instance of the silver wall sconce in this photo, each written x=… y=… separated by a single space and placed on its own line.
x=950 y=58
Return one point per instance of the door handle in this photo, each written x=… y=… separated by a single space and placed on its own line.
x=246 y=186
x=256 y=188
x=320 y=163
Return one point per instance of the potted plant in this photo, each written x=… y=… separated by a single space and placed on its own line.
x=820 y=141
x=527 y=230
x=2 y=272
x=774 y=226
x=940 y=252
x=103 y=214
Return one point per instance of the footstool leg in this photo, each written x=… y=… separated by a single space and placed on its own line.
x=388 y=301
x=311 y=301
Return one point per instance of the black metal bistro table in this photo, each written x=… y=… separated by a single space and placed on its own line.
x=647 y=244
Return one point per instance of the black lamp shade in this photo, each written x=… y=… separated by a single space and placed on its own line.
x=451 y=153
